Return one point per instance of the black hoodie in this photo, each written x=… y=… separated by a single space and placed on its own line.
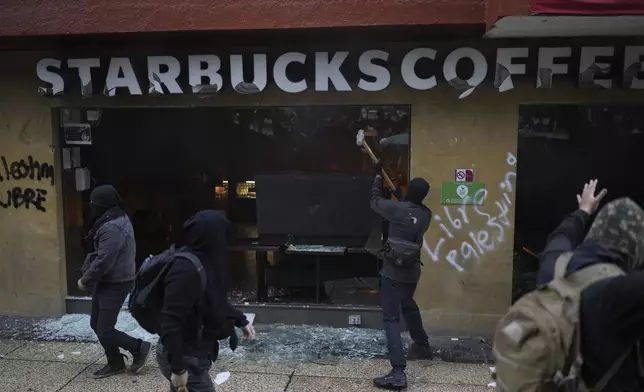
x=191 y=319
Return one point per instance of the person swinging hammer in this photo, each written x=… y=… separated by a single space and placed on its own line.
x=408 y=221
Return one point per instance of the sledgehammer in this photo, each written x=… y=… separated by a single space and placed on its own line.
x=362 y=143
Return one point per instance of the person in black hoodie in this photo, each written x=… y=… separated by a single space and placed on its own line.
x=408 y=219
x=193 y=320
x=612 y=309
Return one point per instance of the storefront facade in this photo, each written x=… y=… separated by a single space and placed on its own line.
x=471 y=102
x=468 y=255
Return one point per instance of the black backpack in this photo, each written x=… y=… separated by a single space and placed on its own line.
x=146 y=298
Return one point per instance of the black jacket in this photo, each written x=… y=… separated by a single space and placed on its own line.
x=113 y=258
x=612 y=310
x=407 y=221
x=192 y=319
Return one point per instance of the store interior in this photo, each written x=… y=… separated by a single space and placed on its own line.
x=168 y=163
x=560 y=147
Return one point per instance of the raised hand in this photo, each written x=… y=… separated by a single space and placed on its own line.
x=588 y=201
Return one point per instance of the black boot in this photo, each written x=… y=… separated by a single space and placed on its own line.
x=395 y=380
x=420 y=351
x=113 y=367
x=140 y=357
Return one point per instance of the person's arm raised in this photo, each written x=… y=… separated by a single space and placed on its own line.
x=570 y=233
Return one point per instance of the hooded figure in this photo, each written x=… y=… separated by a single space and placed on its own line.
x=616 y=236
x=193 y=319
x=105 y=205
x=619 y=227
x=612 y=309
x=408 y=221
x=205 y=234
x=417 y=190
x=110 y=270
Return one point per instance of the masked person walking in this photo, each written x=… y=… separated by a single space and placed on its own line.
x=408 y=221
x=194 y=318
x=109 y=269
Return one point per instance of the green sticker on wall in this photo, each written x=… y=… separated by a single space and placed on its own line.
x=462 y=193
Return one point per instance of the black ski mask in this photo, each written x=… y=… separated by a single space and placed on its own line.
x=417 y=191
x=102 y=199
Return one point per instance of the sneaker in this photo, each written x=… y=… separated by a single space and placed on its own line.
x=420 y=351
x=110 y=369
x=395 y=381
x=140 y=358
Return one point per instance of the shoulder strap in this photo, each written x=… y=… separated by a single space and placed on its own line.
x=594 y=273
x=559 y=283
x=143 y=294
x=561 y=265
x=197 y=263
x=614 y=368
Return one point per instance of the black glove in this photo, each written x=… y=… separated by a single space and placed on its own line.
x=377 y=168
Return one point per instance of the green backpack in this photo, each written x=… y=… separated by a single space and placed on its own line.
x=537 y=343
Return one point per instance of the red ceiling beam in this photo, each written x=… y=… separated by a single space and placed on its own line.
x=46 y=17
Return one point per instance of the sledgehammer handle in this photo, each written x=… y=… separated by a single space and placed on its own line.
x=390 y=184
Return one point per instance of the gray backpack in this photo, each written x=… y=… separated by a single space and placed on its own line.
x=537 y=343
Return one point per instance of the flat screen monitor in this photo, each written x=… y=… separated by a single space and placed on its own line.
x=307 y=206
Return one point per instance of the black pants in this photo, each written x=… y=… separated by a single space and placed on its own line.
x=107 y=301
x=394 y=297
x=199 y=378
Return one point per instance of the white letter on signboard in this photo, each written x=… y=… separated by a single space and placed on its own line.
x=329 y=71
x=505 y=68
x=408 y=69
x=590 y=71
x=279 y=72
x=47 y=76
x=378 y=72
x=114 y=79
x=465 y=87
x=197 y=71
x=167 y=78
x=259 y=70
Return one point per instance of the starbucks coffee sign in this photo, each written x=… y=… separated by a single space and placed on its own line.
x=422 y=68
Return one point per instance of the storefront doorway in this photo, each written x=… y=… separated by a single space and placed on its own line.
x=560 y=148
x=168 y=163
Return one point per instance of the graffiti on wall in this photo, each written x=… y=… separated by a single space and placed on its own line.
x=25 y=169
x=481 y=238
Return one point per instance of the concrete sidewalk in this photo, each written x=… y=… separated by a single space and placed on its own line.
x=66 y=367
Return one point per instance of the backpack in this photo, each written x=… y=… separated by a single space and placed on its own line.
x=537 y=344
x=146 y=298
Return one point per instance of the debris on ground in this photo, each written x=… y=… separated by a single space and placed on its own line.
x=221 y=378
x=274 y=343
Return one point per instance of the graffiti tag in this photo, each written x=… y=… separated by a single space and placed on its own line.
x=25 y=169
x=481 y=238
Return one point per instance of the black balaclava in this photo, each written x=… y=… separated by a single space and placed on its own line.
x=417 y=189
x=102 y=199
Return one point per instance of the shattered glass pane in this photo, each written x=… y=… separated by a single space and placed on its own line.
x=315 y=249
x=274 y=343
x=297 y=343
